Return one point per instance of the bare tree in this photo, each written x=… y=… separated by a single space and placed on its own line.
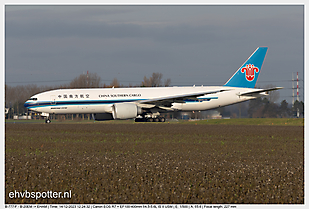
x=16 y=96
x=115 y=83
x=146 y=82
x=167 y=82
x=10 y=96
x=155 y=80
x=91 y=80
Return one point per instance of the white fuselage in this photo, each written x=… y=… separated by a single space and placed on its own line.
x=101 y=100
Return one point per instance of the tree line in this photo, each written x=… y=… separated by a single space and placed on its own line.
x=263 y=107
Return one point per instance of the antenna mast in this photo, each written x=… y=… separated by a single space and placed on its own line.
x=297 y=88
x=293 y=88
x=87 y=79
x=297 y=97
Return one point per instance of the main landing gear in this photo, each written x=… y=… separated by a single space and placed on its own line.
x=160 y=119
x=150 y=117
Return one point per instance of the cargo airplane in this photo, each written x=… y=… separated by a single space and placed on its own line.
x=146 y=104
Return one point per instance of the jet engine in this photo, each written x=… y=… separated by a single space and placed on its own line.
x=122 y=111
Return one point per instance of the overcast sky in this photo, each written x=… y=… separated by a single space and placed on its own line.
x=201 y=45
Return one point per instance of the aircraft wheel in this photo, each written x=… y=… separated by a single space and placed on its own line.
x=150 y=120
x=162 y=119
x=139 y=120
x=156 y=120
x=48 y=121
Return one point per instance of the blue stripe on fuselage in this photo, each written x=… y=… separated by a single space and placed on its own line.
x=82 y=102
x=30 y=105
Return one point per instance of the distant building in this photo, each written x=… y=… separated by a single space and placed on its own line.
x=201 y=115
x=213 y=114
x=22 y=117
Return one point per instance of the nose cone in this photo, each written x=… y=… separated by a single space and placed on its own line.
x=26 y=104
x=29 y=103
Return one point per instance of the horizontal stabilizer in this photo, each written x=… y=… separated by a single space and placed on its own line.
x=260 y=91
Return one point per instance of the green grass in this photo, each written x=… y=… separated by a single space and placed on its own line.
x=234 y=121
x=250 y=121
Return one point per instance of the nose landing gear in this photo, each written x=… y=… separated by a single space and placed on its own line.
x=46 y=115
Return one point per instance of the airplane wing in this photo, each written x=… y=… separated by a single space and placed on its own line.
x=167 y=101
x=260 y=91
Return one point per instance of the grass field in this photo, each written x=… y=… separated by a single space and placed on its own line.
x=234 y=121
x=156 y=162
x=253 y=121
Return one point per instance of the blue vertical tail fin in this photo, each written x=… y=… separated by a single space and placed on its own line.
x=247 y=75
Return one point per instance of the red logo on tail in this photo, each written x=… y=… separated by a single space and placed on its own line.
x=250 y=71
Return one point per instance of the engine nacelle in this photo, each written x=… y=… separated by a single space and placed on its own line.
x=122 y=111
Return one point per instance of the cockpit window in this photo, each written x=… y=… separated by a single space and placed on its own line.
x=34 y=99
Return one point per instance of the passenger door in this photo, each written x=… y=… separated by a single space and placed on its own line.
x=53 y=99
